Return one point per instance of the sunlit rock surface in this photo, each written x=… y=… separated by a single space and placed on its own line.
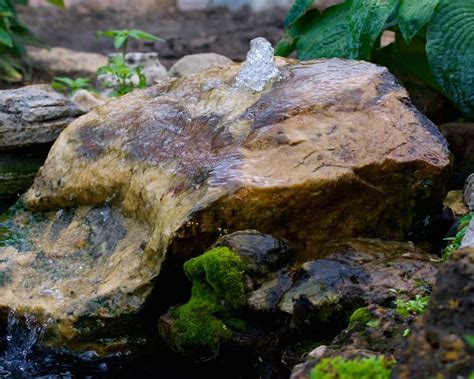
x=333 y=149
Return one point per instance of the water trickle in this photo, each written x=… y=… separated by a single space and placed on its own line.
x=259 y=68
x=23 y=333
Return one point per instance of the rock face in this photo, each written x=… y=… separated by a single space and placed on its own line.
x=18 y=170
x=353 y=273
x=332 y=150
x=194 y=63
x=33 y=115
x=59 y=61
x=441 y=345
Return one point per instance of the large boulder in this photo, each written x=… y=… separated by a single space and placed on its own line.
x=333 y=149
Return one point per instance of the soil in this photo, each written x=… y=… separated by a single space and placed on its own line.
x=216 y=30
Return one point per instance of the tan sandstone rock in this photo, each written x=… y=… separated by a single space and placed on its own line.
x=332 y=150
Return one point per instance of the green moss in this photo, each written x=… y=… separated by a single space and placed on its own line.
x=365 y=368
x=361 y=316
x=216 y=297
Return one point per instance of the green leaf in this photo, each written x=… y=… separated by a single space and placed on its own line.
x=413 y=15
x=408 y=62
x=21 y=2
x=298 y=9
x=367 y=19
x=141 y=35
x=326 y=35
x=8 y=72
x=450 y=50
x=57 y=3
x=120 y=40
x=5 y=38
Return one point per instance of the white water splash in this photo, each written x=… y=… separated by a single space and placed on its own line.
x=23 y=333
x=259 y=68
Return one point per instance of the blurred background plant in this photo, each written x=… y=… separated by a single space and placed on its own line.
x=14 y=36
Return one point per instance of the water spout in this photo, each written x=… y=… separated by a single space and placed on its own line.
x=259 y=68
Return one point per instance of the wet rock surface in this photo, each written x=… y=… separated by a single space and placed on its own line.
x=302 y=160
x=441 y=343
x=33 y=115
x=353 y=273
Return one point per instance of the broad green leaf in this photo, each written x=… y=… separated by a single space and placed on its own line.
x=286 y=45
x=367 y=19
x=21 y=2
x=141 y=35
x=107 y=33
x=413 y=15
x=450 y=50
x=5 y=38
x=298 y=9
x=326 y=35
x=408 y=62
x=120 y=40
x=289 y=41
x=57 y=3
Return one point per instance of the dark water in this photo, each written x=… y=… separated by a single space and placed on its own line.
x=22 y=356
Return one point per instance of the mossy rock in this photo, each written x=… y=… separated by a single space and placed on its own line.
x=198 y=327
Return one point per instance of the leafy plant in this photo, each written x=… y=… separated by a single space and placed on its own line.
x=366 y=368
x=456 y=241
x=14 y=36
x=416 y=306
x=71 y=85
x=123 y=78
x=433 y=39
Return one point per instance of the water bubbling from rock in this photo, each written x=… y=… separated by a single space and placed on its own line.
x=259 y=67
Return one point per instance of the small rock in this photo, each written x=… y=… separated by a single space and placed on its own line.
x=151 y=66
x=469 y=192
x=87 y=100
x=263 y=253
x=33 y=115
x=59 y=61
x=455 y=201
x=191 y=64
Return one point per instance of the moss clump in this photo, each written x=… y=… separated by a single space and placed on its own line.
x=360 y=317
x=216 y=297
x=365 y=368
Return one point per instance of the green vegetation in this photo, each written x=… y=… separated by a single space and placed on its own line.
x=416 y=306
x=71 y=86
x=360 y=317
x=364 y=368
x=14 y=36
x=433 y=43
x=216 y=297
x=455 y=242
x=124 y=78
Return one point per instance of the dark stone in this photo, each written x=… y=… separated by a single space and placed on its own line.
x=263 y=253
x=438 y=346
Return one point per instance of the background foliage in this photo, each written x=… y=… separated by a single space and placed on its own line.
x=434 y=39
x=14 y=36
